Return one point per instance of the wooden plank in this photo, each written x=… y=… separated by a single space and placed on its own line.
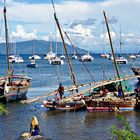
x=70 y=88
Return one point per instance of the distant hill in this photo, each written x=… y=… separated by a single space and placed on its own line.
x=41 y=47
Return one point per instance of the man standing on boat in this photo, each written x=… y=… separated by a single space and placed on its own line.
x=61 y=90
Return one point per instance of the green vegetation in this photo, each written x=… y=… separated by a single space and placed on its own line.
x=3 y=109
x=123 y=131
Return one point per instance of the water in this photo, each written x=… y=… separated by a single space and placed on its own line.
x=56 y=125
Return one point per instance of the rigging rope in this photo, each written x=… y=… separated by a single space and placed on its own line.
x=79 y=57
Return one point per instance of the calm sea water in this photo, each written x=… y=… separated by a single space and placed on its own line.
x=55 y=125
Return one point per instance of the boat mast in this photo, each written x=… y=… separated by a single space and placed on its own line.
x=120 y=41
x=6 y=38
x=65 y=48
x=50 y=42
x=114 y=58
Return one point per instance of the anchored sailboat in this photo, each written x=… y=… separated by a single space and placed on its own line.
x=112 y=96
x=51 y=55
x=34 y=56
x=62 y=104
x=14 y=87
x=87 y=57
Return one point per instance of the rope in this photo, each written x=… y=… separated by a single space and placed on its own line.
x=80 y=57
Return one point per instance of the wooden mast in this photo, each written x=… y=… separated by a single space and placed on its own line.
x=70 y=42
x=120 y=41
x=6 y=38
x=65 y=48
x=114 y=58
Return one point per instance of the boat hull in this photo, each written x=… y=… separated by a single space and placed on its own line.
x=14 y=94
x=14 y=90
x=110 y=106
x=136 y=71
x=32 y=65
x=67 y=106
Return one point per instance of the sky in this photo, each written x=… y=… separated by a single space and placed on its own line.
x=83 y=20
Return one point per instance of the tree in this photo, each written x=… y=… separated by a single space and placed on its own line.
x=123 y=131
x=3 y=109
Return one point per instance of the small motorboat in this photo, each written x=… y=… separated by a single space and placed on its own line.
x=32 y=64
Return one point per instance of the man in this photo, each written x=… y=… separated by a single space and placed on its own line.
x=61 y=90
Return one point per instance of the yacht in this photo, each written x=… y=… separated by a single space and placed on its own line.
x=121 y=60
x=56 y=61
x=51 y=55
x=132 y=56
x=15 y=59
x=35 y=56
x=105 y=55
x=87 y=57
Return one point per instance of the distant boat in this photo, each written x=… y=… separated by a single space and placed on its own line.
x=121 y=60
x=132 y=56
x=105 y=55
x=34 y=56
x=74 y=56
x=56 y=61
x=15 y=59
x=87 y=57
x=62 y=57
x=51 y=55
x=32 y=64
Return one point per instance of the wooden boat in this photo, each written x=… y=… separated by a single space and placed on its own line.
x=14 y=90
x=136 y=71
x=71 y=105
x=13 y=87
x=110 y=104
x=64 y=104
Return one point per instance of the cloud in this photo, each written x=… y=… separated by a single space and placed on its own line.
x=39 y=16
x=87 y=22
x=130 y=39
x=21 y=34
x=81 y=30
x=112 y=20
